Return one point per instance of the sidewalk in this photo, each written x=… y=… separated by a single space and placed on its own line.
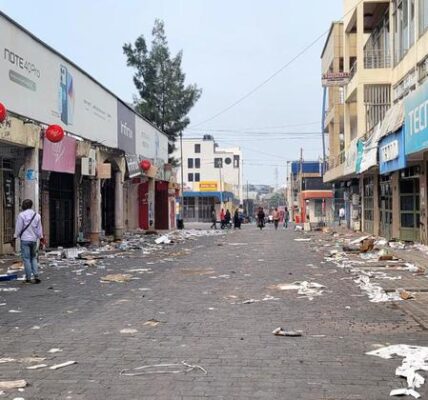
x=395 y=270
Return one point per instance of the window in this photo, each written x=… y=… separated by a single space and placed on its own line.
x=236 y=161
x=190 y=163
x=190 y=177
x=197 y=177
x=197 y=148
x=228 y=161
x=404 y=27
x=197 y=163
x=218 y=163
x=423 y=16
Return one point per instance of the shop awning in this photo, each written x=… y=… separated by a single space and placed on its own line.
x=226 y=195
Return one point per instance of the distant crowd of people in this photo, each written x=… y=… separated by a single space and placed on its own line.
x=277 y=217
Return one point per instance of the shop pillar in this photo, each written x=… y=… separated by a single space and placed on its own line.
x=395 y=183
x=31 y=182
x=423 y=200
x=118 y=205
x=376 y=210
x=95 y=211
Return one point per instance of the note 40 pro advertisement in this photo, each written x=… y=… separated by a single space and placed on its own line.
x=39 y=84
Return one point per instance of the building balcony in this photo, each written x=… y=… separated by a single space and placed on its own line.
x=335 y=167
x=375 y=59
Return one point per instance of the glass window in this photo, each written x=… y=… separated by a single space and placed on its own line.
x=190 y=177
x=190 y=163
x=218 y=163
x=197 y=163
x=423 y=15
x=318 y=208
x=197 y=148
x=236 y=161
x=197 y=177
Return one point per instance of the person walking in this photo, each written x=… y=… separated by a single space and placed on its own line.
x=286 y=217
x=213 y=218
x=227 y=219
x=222 y=215
x=236 y=220
x=275 y=217
x=341 y=215
x=29 y=230
x=261 y=218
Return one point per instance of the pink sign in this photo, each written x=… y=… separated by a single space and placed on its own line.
x=61 y=156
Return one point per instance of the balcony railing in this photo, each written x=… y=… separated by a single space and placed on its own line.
x=376 y=59
x=353 y=70
x=334 y=162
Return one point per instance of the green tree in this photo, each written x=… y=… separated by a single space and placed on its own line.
x=164 y=99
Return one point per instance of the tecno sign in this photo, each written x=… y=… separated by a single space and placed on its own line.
x=418 y=118
x=389 y=152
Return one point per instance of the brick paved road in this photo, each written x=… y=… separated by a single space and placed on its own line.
x=198 y=299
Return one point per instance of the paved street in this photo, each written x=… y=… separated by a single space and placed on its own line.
x=196 y=291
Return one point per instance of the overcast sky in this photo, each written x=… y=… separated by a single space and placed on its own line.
x=230 y=47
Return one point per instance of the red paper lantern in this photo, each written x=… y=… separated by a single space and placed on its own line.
x=54 y=133
x=3 y=113
x=145 y=165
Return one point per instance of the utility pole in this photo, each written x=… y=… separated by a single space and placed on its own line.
x=324 y=96
x=181 y=219
x=247 y=200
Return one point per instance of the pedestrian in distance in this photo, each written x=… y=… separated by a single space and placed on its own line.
x=275 y=216
x=213 y=218
x=261 y=218
x=286 y=217
x=222 y=220
x=29 y=230
x=236 y=220
x=341 y=215
x=227 y=219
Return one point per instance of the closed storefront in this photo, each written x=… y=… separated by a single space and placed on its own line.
x=409 y=204
x=385 y=206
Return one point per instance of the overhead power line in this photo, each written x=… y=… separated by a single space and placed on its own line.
x=267 y=80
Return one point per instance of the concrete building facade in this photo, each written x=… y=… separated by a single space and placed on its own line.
x=212 y=177
x=382 y=171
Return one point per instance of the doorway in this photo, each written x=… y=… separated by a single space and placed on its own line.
x=161 y=205
x=143 y=209
x=107 y=206
x=61 y=209
x=409 y=206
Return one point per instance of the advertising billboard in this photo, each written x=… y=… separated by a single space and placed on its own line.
x=151 y=143
x=41 y=85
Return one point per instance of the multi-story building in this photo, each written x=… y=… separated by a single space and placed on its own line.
x=90 y=184
x=212 y=177
x=383 y=169
x=309 y=199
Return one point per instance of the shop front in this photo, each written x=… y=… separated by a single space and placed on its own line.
x=391 y=158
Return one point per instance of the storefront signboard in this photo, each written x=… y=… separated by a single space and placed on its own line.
x=104 y=171
x=392 y=155
x=208 y=186
x=60 y=156
x=351 y=158
x=133 y=165
x=416 y=120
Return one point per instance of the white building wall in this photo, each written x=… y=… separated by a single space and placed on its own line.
x=230 y=174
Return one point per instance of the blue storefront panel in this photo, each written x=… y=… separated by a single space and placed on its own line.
x=416 y=120
x=392 y=152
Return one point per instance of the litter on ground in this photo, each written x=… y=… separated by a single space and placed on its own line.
x=63 y=365
x=183 y=367
x=7 y=385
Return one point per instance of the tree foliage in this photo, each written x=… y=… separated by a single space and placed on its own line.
x=164 y=98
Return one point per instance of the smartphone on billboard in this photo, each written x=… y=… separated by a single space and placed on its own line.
x=66 y=100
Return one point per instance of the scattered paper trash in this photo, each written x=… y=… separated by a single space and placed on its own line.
x=6 y=385
x=282 y=332
x=184 y=367
x=405 y=295
x=38 y=366
x=152 y=322
x=415 y=358
x=163 y=240
x=55 y=350
x=302 y=240
x=63 y=365
x=128 y=331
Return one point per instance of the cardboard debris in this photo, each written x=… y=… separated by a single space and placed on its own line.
x=7 y=385
x=120 y=278
x=63 y=365
x=405 y=295
x=367 y=245
x=163 y=240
